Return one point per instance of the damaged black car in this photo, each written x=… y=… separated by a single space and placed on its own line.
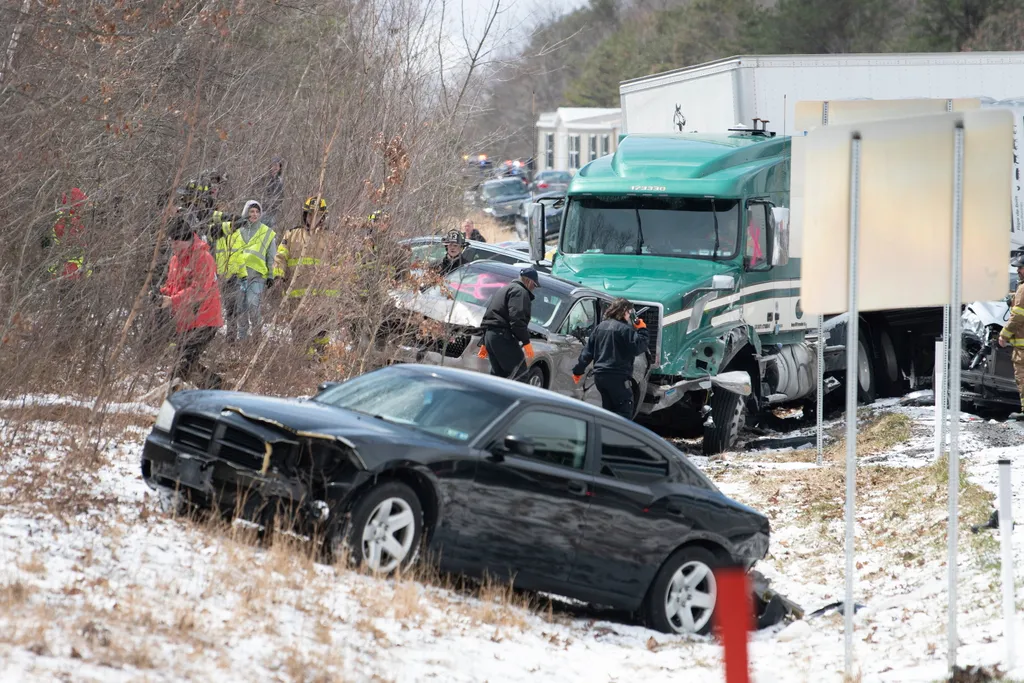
x=486 y=475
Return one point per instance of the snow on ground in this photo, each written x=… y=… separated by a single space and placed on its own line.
x=97 y=585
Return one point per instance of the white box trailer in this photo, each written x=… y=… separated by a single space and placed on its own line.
x=731 y=92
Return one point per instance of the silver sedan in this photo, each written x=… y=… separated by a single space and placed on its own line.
x=563 y=316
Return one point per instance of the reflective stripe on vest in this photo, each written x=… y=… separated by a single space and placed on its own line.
x=304 y=261
x=235 y=256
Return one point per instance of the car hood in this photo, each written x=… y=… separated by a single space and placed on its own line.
x=665 y=279
x=438 y=308
x=302 y=417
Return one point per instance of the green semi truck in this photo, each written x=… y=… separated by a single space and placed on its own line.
x=694 y=228
x=691 y=218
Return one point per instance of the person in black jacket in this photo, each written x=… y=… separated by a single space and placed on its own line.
x=454 y=245
x=612 y=347
x=506 y=325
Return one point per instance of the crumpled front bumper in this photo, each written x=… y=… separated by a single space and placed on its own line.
x=661 y=396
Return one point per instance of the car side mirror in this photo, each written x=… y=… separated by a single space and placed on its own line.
x=518 y=445
x=579 y=332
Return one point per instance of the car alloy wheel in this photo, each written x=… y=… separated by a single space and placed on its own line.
x=684 y=593
x=535 y=377
x=690 y=598
x=388 y=535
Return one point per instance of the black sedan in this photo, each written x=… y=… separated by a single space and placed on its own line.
x=488 y=475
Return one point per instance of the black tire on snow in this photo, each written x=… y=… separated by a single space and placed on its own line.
x=654 y=605
x=729 y=413
x=346 y=536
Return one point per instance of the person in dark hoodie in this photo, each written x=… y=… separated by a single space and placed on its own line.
x=612 y=347
x=506 y=326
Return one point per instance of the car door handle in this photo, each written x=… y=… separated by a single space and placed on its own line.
x=579 y=488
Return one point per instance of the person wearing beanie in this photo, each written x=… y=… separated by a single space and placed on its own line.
x=245 y=261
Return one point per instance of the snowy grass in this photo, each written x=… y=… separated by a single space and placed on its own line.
x=97 y=584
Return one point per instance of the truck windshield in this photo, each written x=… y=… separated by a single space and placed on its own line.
x=658 y=226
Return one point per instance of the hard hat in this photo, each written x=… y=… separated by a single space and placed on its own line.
x=454 y=237
x=1017 y=261
x=315 y=203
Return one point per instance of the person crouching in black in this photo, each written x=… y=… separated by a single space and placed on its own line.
x=612 y=347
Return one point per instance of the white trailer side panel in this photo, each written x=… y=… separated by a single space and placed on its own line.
x=699 y=104
x=769 y=87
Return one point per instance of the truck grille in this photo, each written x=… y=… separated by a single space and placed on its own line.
x=194 y=431
x=652 y=318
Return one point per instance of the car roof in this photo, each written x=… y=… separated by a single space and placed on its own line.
x=511 y=271
x=512 y=389
x=483 y=246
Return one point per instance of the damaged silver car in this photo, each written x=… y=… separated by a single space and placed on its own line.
x=564 y=315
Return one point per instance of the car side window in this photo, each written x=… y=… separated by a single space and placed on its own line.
x=582 y=316
x=556 y=439
x=629 y=459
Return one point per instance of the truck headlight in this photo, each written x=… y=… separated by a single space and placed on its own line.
x=165 y=417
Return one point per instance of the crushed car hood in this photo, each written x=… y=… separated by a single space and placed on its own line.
x=441 y=309
x=302 y=417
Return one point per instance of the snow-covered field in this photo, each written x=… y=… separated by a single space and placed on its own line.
x=97 y=584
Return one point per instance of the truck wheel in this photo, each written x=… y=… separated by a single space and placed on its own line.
x=867 y=390
x=729 y=413
x=886 y=362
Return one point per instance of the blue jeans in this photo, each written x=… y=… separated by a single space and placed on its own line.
x=243 y=307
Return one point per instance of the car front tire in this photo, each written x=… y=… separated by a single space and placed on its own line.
x=384 y=531
x=535 y=377
x=684 y=594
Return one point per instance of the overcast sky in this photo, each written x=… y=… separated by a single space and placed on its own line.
x=515 y=21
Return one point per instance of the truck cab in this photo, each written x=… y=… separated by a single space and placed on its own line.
x=694 y=227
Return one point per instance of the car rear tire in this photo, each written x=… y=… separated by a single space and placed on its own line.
x=729 y=413
x=384 y=530
x=535 y=377
x=683 y=596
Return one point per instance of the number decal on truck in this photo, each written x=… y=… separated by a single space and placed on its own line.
x=648 y=188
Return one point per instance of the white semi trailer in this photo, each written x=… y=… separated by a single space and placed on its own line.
x=797 y=93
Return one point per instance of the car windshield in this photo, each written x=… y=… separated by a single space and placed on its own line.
x=657 y=226
x=554 y=177
x=510 y=187
x=473 y=286
x=432 y=404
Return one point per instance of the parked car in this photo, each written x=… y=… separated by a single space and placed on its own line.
x=502 y=198
x=551 y=181
x=488 y=475
x=429 y=249
x=553 y=210
x=515 y=245
x=564 y=314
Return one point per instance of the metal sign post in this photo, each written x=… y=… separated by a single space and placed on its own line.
x=852 y=332
x=1006 y=538
x=940 y=394
x=954 y=346
x=821 y=387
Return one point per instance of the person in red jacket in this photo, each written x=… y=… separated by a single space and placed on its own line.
x=192 y=294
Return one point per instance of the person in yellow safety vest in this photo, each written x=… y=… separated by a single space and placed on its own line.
x=302 y=250
x=1013 y=334
x=245 y=264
